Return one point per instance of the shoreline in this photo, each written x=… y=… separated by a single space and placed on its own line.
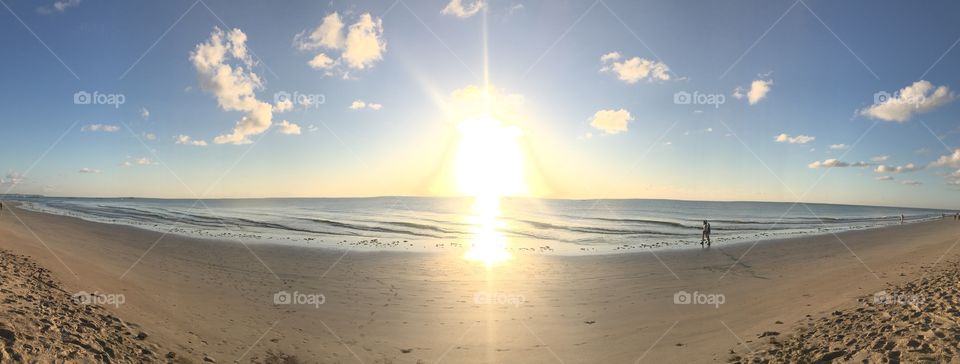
x=408 y=307
x=371 y=244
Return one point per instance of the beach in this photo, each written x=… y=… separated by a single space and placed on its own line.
x=205 y=299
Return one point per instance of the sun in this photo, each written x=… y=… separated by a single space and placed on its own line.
x=489 y=166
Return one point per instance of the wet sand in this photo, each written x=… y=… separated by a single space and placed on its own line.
x=215 y=299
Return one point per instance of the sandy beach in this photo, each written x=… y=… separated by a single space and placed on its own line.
x=215 y=300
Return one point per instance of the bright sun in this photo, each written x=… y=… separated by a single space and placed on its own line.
x=489 y=166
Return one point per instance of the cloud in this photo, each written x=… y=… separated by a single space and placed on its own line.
x=880 y=158
x=143 y=161
x=799 y=139
x=758 y=91
x=884 y=178
x=461 y=10
x=909 y=167
x=106 y=128
x=144 y=113
x=150 y=136
x=12 y=178
x=515 y=8
x=908 y=182
x=187 y=140
x=634 y=69
x=836 y=163
x=231 y=84
x=839 y=146
x=359 y=46
x=283 y=105
x=289 y=128
x=59 y=6
x=88 y=171
x=610 y=121
x=360 y=104
x=949 y=160
x=918 y=98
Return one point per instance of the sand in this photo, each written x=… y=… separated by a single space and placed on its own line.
x=213 y=299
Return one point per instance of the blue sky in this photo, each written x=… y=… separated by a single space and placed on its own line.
x=808 y=69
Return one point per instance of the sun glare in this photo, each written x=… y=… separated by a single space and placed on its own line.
x=489 y=166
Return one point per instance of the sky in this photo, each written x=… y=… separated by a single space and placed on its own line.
x=820 y=101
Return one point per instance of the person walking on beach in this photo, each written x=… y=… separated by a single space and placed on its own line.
x=901 y=218
x=706 y=234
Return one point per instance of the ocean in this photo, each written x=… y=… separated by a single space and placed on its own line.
x=415 y=223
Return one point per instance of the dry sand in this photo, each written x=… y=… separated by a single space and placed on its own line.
x=206 y=298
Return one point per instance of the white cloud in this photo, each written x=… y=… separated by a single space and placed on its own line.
x=283 y=105
x=909 y=167
x=610 y=121
x=322 y=61
x=836 y=163
x=885 y=178
x=58 y=6
x=187 y=140
x=949 y=160
x=150 y=136
x=144 y=113
x=918 y=98
x=143 y=161
x=359 y=46
x=88 y=171
x=910 y=182
x=799 y=139
x=612 y=56
x=106 y=128
x=758 y=91
x=289 y=128
x=880 y=158
x=461 y=10
x=839 y=146
x=12 y=178
x=515 y=8
x=328 y=35
x=634 y=69
x=231 y=84
x=360 y=104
